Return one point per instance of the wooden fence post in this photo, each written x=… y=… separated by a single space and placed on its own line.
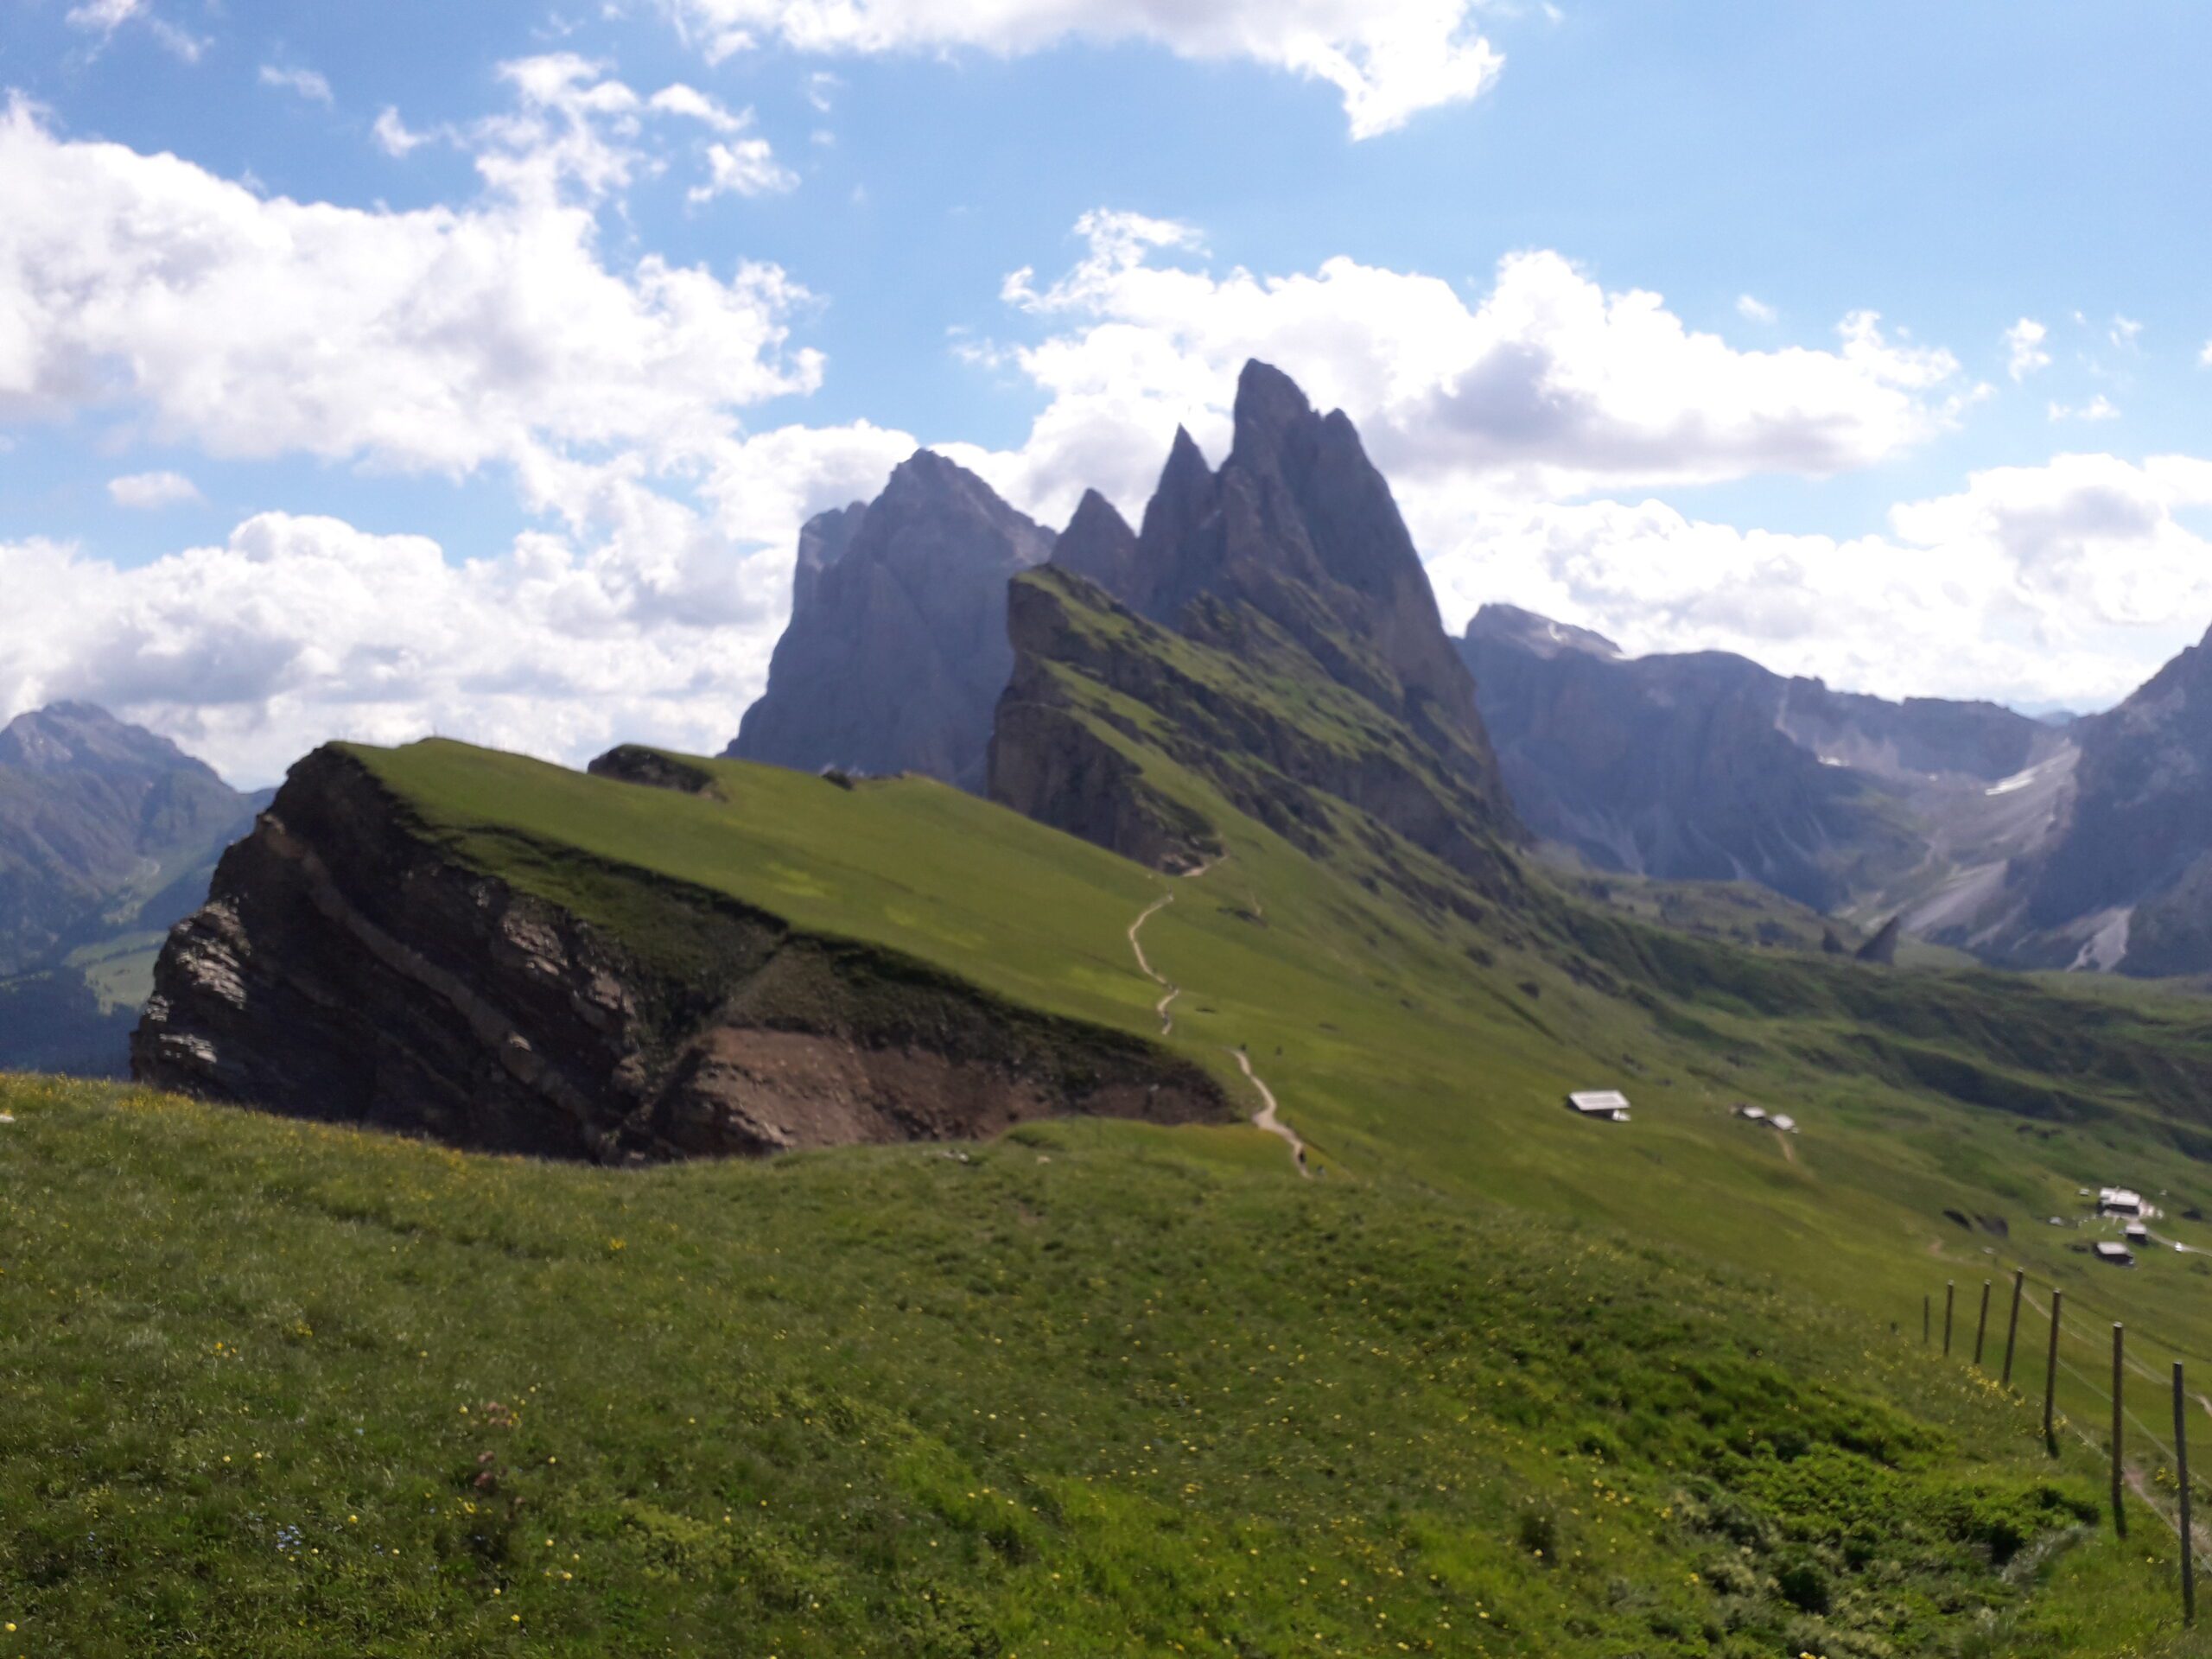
x=1950 y=1295
x=2119 y=1511
x=2050 y=1378
x=2180 y=1470
x=2012 y=1324
x=1981 y=1324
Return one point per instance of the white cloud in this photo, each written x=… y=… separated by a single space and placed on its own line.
x=1548 y=385
x=306 y=83
x=2073 y=582
x=394 y=137
x=2099 y=408
x=440 y=340
x=1388 y=59
x=2125 y=333
x=691 y=103
x=104 y=18
x=149 y=491
x=746 y=167
x=1752 y=309
x=2024 y=351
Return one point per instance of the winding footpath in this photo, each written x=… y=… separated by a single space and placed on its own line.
x=1270 y=1116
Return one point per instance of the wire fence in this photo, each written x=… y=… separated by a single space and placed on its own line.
x=2127 y=1429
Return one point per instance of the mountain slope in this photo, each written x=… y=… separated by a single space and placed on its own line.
x=108 y=835
x=896 y=650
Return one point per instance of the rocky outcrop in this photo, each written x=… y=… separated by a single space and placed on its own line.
x=896 y=652
x=633 y=763
x=1882 y=949
x=349 y=968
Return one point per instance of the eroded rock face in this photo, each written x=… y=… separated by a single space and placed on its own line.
x=347 y=969
x=896 y=652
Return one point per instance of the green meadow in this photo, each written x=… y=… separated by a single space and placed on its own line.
x=1493 y=1381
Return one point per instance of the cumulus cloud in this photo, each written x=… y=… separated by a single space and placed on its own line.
x=1389 y=59
x=1753 y=309
x=2023 y=348
x=439 y=341
x=1548 y=385
x=147 y=492
x=2072 y=581
x=306 y=83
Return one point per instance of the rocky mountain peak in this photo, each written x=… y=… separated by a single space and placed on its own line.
x=897 y=650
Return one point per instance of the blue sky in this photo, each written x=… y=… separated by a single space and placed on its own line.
x=600 y=543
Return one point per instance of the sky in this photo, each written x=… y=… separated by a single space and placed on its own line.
x=371 y=370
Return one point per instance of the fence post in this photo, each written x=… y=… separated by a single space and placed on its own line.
x=1950 y=1295
x=1981 y=1324
x=2119 y=1511
x=2012 y=1324
x=2180 y=1470
x=2050 y=1378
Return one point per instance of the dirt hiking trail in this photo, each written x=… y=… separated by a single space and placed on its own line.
x=1270 y=1116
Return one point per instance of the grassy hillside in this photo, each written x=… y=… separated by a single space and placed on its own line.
x=1097 y=1389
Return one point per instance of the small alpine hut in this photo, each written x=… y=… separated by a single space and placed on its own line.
x=2117 y=1256
x=1609 y=1104
x=2118 y=1201
x=2137 y=1233
x=1751 y=1113
x=1783 y=1122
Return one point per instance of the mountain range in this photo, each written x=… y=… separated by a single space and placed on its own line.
x=2026 y=842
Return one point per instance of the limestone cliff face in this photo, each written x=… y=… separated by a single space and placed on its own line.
x=896 y=651
x=347 y=969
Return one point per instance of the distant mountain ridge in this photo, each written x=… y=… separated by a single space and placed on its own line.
x=108 y=834
x=1706 y=765
x=2084 y=842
